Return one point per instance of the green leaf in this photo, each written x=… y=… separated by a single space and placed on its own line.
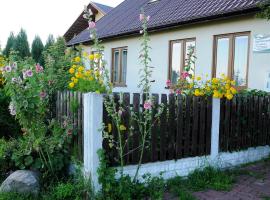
x=28 y=160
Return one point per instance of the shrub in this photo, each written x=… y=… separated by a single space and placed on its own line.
x=15 y=196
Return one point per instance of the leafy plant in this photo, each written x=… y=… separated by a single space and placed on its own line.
x=265 y=10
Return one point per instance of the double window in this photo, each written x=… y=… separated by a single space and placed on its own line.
x=119 y=66
x=231 y=55
x=179 y=53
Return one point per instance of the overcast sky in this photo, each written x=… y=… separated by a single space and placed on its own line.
x=41 y=17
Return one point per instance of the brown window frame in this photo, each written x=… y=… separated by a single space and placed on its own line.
x=120 y=82
x=230 y=70
x=182 y=56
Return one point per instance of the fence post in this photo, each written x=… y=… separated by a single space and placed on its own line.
x=93 y=118
x=215 y=128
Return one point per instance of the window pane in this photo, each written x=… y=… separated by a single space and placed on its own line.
x=240 y=60
x=116 y=67
x=190 y=48
x=176 y=62
x=124 y=65
x=223 y=45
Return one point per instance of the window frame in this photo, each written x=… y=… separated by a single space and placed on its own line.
x=182 y=56
x=230 y=70
x=119 y=83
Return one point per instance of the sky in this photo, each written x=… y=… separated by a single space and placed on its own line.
x=41 y=17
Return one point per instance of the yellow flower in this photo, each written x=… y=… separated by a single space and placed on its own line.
x=227 y=86
x=81 y=68
x=78 y=75
x=71 y=70
x=199 y=78
x=109 y=128
x=98 y=92
x=91 y=78
x=191 y=85
x=215 y=80
x=91 y=57
x=75 y=80
x=208 y=89
x=229 y=96
x=197 y=92
x=97 y=56
x=233 y=83
x=77 y=59
x=122 y=128
x=74 y=66
x=216 y=94
x=233 y=90
x=71 y=85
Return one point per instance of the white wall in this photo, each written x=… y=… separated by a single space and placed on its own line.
x=259 y=62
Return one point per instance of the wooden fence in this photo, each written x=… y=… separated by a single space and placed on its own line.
x=244 y=123
x=183 y=130
x=69 y=106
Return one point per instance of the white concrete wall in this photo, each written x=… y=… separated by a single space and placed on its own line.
x=259 y=63
x=183 y=167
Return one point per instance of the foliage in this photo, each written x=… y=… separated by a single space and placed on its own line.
x=253 y=92
x=50 y=41
x=200 y=180
x=265 y=10
x=37 y=49
x=16 y=196
x=57 y=63
x=10 y=44
x=21 y=44
x=125 y=188
x=2 y=64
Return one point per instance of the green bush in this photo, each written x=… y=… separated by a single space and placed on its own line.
x=15 y=196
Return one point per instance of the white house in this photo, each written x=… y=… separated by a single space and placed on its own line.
x=227 y=36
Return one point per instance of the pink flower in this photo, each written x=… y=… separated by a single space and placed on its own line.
x=92 y=25
x=7 y=69
x=147 y=105
x=14 y=80
x=141 y=17
x=185 y=75
x=42 y=95
x=171 y=91
x=178 y=91
x=29 y=73
x=39 y=68
x=69 y=132
x=168 y=83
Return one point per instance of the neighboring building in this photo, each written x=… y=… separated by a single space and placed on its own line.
x=81 y=24
x=226 y=34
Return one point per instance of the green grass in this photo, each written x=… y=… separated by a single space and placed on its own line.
x=201 y=180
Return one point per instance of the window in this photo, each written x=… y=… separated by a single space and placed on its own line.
x=119 y=66
x=179 y=51
x=231 y=55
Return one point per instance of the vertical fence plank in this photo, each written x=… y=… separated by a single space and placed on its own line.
x=154 y=131
x=180 y=128
x=187 y=144
x=195 y=126
x=126 y=117
x=163 y=129
x=171 y=128
x=136 y=134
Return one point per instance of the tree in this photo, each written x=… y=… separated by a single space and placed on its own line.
x=10 y=44
x=265 y=7
x=37 y=49
x=50 y=41
x=22 y=45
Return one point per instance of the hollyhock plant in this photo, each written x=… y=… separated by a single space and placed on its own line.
x=39 y=68
x=29 y=73
x=43 y=94
x=92 y=25
x=8 y=69
x=147 y=105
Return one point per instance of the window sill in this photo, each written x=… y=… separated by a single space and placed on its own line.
x=119 y=85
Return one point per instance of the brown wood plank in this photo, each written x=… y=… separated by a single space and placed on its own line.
x=136 y=134
x=208 y=125
x=187 y=149
x=126 y=118
x=163 y=129
x=195 y=126
x=154 y=129
x=172 y=125
x=180 y=128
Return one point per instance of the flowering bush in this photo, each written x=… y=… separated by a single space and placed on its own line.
x=27 y=87
x=2 y=64
x=190 y=84
x=87 y=80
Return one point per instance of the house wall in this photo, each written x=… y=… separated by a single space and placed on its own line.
x=259 y=63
